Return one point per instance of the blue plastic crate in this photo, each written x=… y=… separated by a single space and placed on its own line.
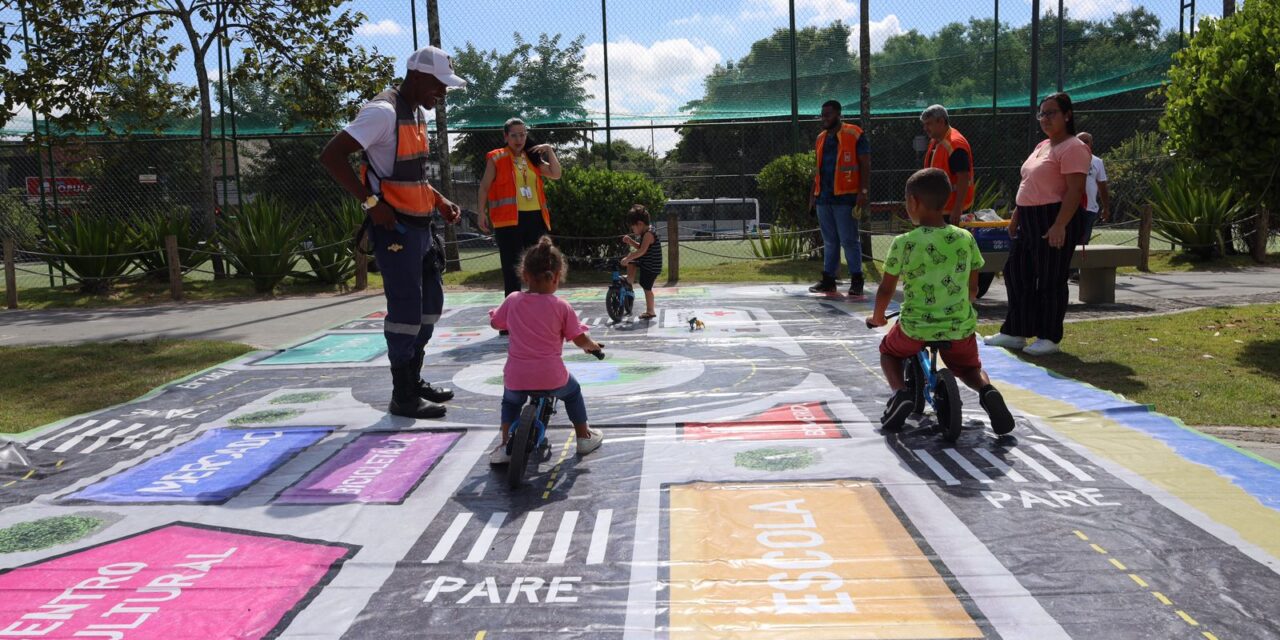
x=992 y=238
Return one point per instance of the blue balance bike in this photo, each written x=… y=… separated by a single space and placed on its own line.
x=529 y=433
x=933 y=386
x=621 y=296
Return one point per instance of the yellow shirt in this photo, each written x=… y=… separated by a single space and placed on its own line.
x=526 y=186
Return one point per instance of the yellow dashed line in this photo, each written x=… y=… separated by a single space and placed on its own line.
x=1163 y=600
x=30 y=472
x=1188 y=619
x=1116 y=563
x=58 y=464
x=1098 y=549
x=1141 y=583
x=564 y=453
x=1081 y=535
x=480 y=636
x=10 y=483
x=1209 y=636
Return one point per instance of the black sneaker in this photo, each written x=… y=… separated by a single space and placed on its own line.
x=503 y=332
x=993 y=403
x=896 y=410
x=855 y=285
x=826 y=285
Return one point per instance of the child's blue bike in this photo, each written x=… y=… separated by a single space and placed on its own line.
x=936 y=387
x=621 y=296
x=529 y=433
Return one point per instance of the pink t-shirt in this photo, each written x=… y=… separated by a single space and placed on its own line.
x=1044 y=173
x=539 y=324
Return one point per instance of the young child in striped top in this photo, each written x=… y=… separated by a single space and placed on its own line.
x=645 y=257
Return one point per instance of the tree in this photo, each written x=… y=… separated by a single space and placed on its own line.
x=1223 y=96
x=626 y=157
x=83 y=45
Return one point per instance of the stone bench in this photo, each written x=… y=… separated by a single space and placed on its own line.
x=1097 y=264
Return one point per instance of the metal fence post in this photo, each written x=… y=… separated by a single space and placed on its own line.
x=10 y=274
x=1261 y=234
x=451 y=255
x=1144 y=239
x=608 y=111
x=175 y=267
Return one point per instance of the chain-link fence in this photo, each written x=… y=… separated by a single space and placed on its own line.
x=699 y=97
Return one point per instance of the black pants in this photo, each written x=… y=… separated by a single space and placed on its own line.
x=512 y=241
x=1036 y=274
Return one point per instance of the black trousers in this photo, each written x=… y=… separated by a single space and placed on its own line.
x=512 y=241
x=1036 y=274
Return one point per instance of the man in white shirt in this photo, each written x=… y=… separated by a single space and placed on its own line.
x=391 y=132
x=1098 y=205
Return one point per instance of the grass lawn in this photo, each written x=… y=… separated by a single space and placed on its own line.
x=1168 y=262
x=39 y=385
x=1210 y=367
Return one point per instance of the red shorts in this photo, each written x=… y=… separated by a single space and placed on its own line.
x=961 y=358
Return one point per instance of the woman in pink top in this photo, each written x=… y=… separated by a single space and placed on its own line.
x=539 y=324
x=1046 y=227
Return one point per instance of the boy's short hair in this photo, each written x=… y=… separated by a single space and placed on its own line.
x=931 y=187
x=637 y=213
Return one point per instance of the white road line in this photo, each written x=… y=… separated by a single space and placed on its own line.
x=70 y=444
x=65 y=432
x=98 y=444
x=449 y=538
x=1063 y=462
x=159 y=436
x=481 y=548
x=936 y=467
x=521 y=547
x=142 y=435
x=600 y=537
x=1000 y=465
x=968 y=467
x=560 y=550
x=1036 y=466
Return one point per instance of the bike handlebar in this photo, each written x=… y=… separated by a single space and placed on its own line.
x=888 y=316
x=598 y=353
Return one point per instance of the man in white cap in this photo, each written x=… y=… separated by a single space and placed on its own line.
x=391 y=131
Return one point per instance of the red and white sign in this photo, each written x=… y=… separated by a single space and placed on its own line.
x=178 y=581
x=801 y=421
x=67 y=187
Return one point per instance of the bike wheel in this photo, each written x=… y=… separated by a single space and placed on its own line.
x=946 y=401
x=628 y=299
x=521 y=445
x=916 y=383
x=613 y=303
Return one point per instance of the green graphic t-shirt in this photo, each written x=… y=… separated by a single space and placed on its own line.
x=933 y=264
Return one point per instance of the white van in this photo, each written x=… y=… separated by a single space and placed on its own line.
x=712 y=218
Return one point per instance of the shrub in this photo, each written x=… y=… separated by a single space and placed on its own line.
x=92 y=250
x=1188 y=212
x=261 y=242
x=153 y=227
x=780 y=243
x=328 y=249
x=787 y=184
x=18 y=219
x=587 y=208
x=1132 y=167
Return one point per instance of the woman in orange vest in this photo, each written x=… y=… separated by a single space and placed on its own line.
x=514 y=203
x=949 y=151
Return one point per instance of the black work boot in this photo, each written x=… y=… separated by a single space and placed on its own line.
x=826 y=285
x=855 y=285
x=424 y=388
x=404 y=398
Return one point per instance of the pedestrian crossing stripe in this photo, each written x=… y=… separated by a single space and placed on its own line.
x=93 y=435
x=490 y=528
x=985 y=467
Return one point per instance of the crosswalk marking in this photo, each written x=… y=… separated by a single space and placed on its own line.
x=449 y=538
x=1063 y=462
x=521 y=548
x=936 y=467
x=481 y=547
x=600 y=537
x=560 y=550
x=65 y=432
x=1000 y=465
x=1035 y=466
x=70 y=444
x=968 y=467
x=98 y=444
x=139 y=440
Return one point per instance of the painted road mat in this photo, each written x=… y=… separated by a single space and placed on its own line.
x=744 y=491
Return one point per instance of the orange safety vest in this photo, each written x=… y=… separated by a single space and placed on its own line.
x=953 y=141
x=848 y=180
x=406 y=189
x=504 y=209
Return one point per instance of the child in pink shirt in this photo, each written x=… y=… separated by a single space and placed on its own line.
x=539 y=324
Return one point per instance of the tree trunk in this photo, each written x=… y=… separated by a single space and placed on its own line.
x=203 y=214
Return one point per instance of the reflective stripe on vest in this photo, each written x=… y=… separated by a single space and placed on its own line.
x=504 y=207
x=939 y=156
x=406 y=189
x=847 y=177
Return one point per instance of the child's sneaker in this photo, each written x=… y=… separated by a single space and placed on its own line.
x=897 y=410
x=587 y=445
x=1005 y=341
x=993 y=403
x=499 y=456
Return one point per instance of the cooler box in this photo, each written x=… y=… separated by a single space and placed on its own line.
x=991 y=236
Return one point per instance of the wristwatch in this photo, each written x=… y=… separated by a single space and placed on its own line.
x=370 y=202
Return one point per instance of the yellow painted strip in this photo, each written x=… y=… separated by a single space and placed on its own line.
x=1188 y=619
x=30 y=472
x=811 y=560
x=1098 y=549
x=1209 y=636
x=564 y=453
x=1195 y=484
x=1141 y=583
x=58 y=464
x=1160 y=596
x=1081 y=535
x=1118 y=565
x=10 y=483
x=480 y=636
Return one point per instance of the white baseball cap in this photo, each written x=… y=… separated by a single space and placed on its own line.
x=434 y=61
